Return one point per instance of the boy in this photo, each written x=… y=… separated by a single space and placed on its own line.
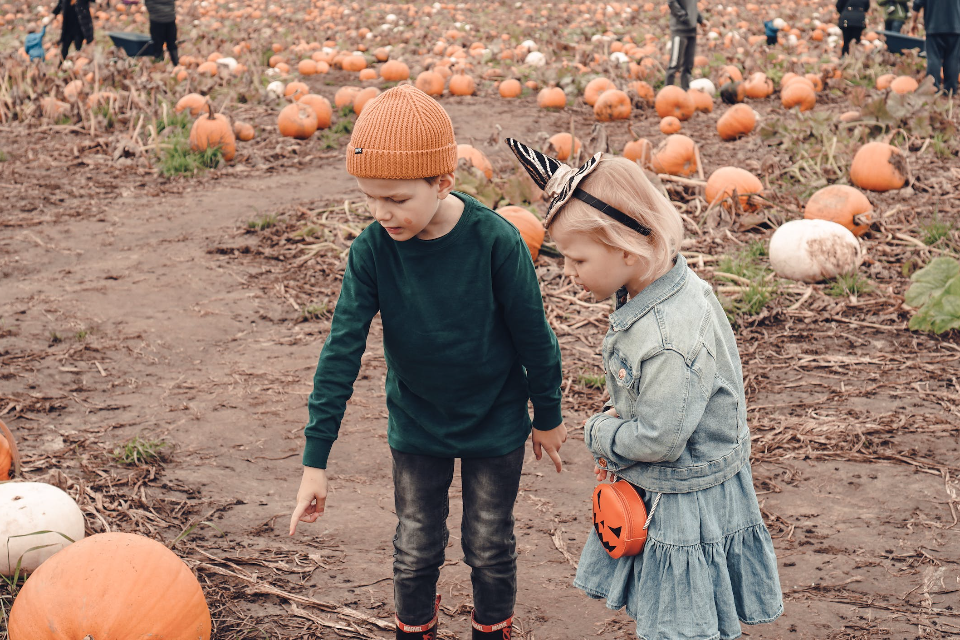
x=941 y=21
x=163 y=28
x=466 y=343
x=684 y=18
x=895 y=13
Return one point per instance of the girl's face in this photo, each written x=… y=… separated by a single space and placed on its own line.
x=408 y=208
x=595 y=266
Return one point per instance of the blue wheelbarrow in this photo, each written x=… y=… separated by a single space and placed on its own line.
x=133 y=44
x=898 y=42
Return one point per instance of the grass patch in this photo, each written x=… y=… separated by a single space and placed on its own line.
x=936 y=230
x=82 y=335
x=263 y=222
x=178 y=159
x=598 y=382
x=3 y=156
x=752 y=277
x=55 y=337
x=746 y=263
x=314 y=311
x=175 y=120
x=850 y=284
x=140 y=452
x=308 y=231
x=64 y=120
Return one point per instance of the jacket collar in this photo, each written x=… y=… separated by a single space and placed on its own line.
x=655 y=293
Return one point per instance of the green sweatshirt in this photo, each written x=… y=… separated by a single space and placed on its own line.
x=465 y=336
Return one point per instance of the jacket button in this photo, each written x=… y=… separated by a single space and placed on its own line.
x=602 y=463
x=622 y=374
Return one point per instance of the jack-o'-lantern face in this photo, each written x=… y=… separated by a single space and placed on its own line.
x=608 y=520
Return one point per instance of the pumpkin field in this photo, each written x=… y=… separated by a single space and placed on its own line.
x=172 y=242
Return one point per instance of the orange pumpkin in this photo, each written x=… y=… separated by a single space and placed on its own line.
x=462 y=85
x=192 y=101
x=643 y=90
x=618 y=518
x=207 y=69
x=558 y=146
x=841 y=204
x=243 y=131
x=612 y=104
x=296 y=90
x=701 y=100
x=675 y=156
x=362 y=98
x=307 y=67
x=904 y=84
x=9 y=456
x=884 y=81
x=729 y=73
x=758 y=86
x=737 y=121
x=344 y=96
x=674 y=101
x=395 y=71
x=638 y=151
x=595 y=88
x=726 y=181
x=799 y=93
x=669 y=125
x=431 y=83
x=353 y=62
x=551 y=98
x=510 y=88
x=849 y=116
x=476 y=158
x=529 y=226
x=368 y=74
x=297 y=121
x=320 y=106
x=126 y=572
x=878 y=166
x=213 y=130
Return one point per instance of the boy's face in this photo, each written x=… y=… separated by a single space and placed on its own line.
x=595 y=266
x=405 y=208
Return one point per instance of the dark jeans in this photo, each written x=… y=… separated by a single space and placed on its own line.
x=850 y=34
x=771 y=40
x=943 y=52
x=421 y=486
x=682 y=52
x=164 y=33
x=893 y=25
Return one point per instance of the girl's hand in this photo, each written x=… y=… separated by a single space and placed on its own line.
x=311 y=498
x=612 y=411
x=603 y=474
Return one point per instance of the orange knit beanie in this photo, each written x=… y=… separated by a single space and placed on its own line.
x=402 y=134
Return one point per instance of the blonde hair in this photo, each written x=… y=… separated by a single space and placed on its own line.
x=621 y=183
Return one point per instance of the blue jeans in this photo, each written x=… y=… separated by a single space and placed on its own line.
x=421 y=486
x=943 y=52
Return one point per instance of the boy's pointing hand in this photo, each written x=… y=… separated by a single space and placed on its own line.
x=311 y=498
x=550 y=441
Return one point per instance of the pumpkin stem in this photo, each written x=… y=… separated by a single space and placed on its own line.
x=5 y=433
x=210 y=110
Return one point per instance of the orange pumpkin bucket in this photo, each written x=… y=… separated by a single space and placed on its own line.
x=620 y=518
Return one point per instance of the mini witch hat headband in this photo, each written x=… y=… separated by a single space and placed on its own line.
x=560 y=181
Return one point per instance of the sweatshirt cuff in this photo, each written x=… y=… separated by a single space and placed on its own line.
x=547 y=418
x=316 y=452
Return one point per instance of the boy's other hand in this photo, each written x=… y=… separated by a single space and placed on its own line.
x=311 y=497
x=550 y=442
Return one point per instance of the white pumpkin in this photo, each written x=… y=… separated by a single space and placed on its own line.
x=535 y=59
x=705 y=85
x=229 y=63
x=275 y=90
x=26 y=507
x=814 y=250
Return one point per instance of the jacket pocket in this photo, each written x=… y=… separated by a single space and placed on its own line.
x=620 y=372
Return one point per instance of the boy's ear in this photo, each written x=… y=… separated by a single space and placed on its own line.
x=630 y=259
x=445 y=184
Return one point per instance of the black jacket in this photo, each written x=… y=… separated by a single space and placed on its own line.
x=684 y=17
x=80 y=8
x=853 y=13
x=939 y=16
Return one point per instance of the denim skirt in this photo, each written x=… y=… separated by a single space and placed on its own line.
x=708 y=564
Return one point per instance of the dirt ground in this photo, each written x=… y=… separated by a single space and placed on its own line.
x=156 y=311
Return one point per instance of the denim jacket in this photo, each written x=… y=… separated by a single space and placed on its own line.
x=675 y=379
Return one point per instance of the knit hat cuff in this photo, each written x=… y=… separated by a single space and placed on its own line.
x=389 y=164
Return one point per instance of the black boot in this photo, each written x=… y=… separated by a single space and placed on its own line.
x=426 y=631
x=500 y=631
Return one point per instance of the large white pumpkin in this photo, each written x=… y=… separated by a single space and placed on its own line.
x=26 y=507
x=813 y=250
x=705 y=85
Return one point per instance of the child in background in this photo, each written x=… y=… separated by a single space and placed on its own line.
x=163 y=28
x=895 y=14
x=772 y=30
x=466 y=342
x=677 y=428
x=33 y=44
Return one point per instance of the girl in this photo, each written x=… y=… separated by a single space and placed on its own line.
x=676 y=426
x=77 y=24
x=853 y=20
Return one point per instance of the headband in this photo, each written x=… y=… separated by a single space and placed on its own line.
x=560 y=182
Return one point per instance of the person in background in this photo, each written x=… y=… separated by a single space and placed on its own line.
x=772 y=29
x=684 y=18
x=941 y=21
x=853 y=19
x=77 y=24
x=163 y=28
x=895 y=14
x=33 y=44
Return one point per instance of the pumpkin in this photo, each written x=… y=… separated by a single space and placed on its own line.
x=850 y=116
x=643 y=90
x=192 y=101
x=904 y=84
x=53 y=108
x=612 y=104
x=595 y=88
x=101 y=98
x=676 y=156
x=638 y=151
x=787 y=78
x=510 y=88
x=296 y=90
x=674 y=101
x=207 y=69
x=111 y=585
x=476 y=158
x=395 y=71
x=878 y=166
x=841 y=204
x=26 y=507
x=815 y=81
x=362 y=98
x=884 y=81
x=701 y=100
x=297 y=121
x=733 y=92
x=618 y=518
x=368 y=74
x=723 y=182
x=431 y=83
x=72 y=91
x=353 y=62
x=243 y=131
x=558 y=146
x=9 y=456
x=729 y=73
x=705 y=85
x=669 y=125
x=529 y=226
x=344 y=96
x=307 y=67
x=551 y=98
x=813 y=250
x=213 y=130
x=462 y=85
x=321 y=106
x=758 y=85
x=737 y=121
x=799 y=93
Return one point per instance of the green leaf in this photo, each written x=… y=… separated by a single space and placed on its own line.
x=936 y=290
x=931 y=280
